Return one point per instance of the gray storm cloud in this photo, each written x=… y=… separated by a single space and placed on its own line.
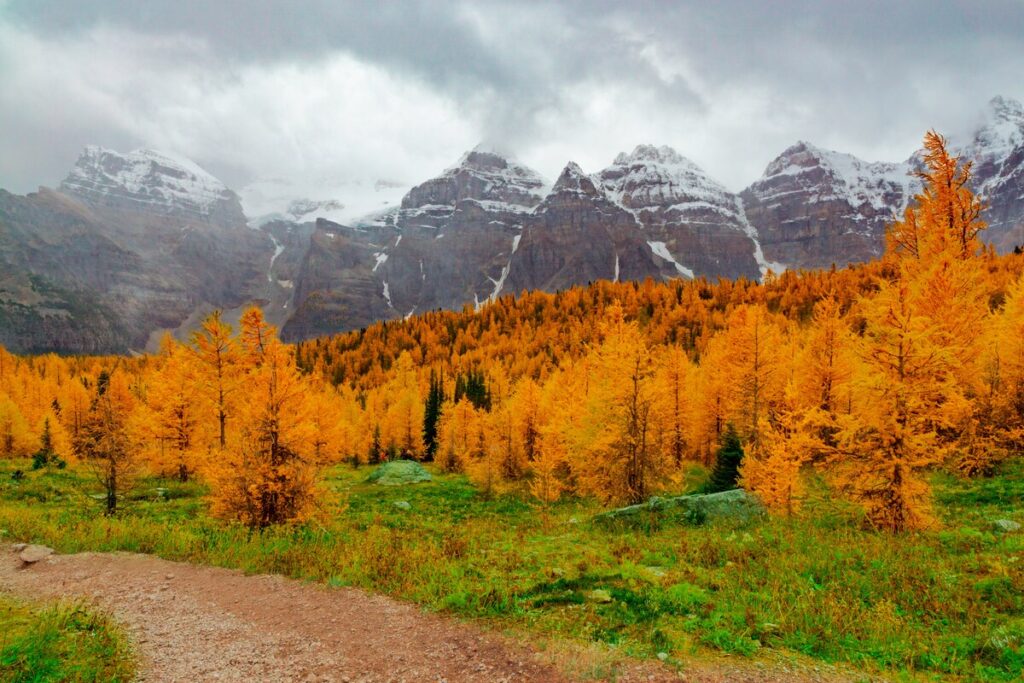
x=400 y=89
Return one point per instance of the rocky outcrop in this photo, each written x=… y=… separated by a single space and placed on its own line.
x=736 y=506
x=399 y=473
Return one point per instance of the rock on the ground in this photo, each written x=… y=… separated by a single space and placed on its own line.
x=34 y=553
x=399 y=473
x=697 y=508
x=1006 y=525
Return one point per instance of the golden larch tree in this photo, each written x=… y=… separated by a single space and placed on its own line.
x=272 y=475
x=106 y=443
x=218 y=370
x=617 y=458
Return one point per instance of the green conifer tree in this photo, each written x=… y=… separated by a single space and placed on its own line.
x=432 y=414
x=376 y=454
x=727 y=462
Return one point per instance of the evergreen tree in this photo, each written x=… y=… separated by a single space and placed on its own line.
x=727 y=462
x=432 y=414
x=376 y=454
x=473 y=386
x=45 y=455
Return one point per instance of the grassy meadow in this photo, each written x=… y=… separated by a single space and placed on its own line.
x=946 y=604
x=64 y=642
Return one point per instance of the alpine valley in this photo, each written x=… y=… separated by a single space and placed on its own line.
x=132 y=245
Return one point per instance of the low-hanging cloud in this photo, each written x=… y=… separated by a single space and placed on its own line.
x=397 y=90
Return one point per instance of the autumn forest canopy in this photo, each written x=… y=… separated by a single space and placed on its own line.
x=869 y=377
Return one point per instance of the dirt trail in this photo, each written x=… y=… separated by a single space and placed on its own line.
x=194 y=623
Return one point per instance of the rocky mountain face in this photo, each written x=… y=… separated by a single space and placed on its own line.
x=141 y=241
x=447 y=245
x=489 y=226
x=678 y=205
x=134 y=244
x=814 y=207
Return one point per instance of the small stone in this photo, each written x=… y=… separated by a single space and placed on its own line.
x=663 y=656
x=403 y=505
x=1006 y=525
x=169 y=577
x=18 y=547
x=600 y=595
x=34 y=553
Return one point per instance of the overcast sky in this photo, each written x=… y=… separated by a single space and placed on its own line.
x=329 y=91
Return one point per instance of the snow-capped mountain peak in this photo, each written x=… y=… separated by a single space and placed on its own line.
x=652 y=177
x=663 y=155
x=1006 y=108
x=1000 y=133
x=484 y=176
x=846 y=177
x=147 y=179
x=573 y=179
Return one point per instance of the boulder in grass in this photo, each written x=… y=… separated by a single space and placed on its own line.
x=34 y=553
x=399 y=473
x=1006 y=526
x=697 y=508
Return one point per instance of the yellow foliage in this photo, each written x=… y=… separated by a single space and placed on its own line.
x=875 y=374
x=271 y=476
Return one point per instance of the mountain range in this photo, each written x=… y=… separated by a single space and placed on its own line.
x=132 y=245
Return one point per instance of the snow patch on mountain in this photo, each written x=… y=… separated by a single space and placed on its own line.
x=763 y=264
x=660 y=250
x=278 y=248
x=499 y=284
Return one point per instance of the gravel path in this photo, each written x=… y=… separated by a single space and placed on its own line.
x=193 y=623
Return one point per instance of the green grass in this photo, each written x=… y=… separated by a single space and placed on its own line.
x=944 y=605
x=61 y=642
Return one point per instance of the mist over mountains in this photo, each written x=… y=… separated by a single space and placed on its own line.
x=133 y=244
